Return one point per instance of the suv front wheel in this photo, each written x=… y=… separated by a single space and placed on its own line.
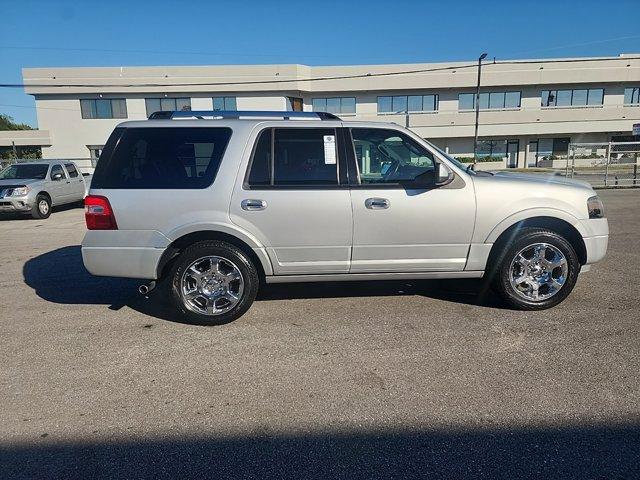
x=537 y=271
x=213 y=283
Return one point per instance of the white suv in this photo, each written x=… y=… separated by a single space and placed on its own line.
x=217 y=203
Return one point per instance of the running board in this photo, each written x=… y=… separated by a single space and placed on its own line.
x=340 y=277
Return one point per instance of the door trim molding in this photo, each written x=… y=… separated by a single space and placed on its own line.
x=339 y=277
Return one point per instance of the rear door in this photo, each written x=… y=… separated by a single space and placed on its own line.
x=292 y=196
x=77 y=189
x=399 y=228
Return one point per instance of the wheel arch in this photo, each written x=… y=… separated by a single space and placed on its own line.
x=555 y=224
x=46 y=194
x=257 y=255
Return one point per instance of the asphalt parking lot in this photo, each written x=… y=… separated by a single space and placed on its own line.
x=352 y=380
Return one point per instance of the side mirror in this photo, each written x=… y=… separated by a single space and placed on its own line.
x=56 y=177
x=444 y=175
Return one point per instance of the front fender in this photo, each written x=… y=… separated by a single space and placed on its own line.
x=532 y=213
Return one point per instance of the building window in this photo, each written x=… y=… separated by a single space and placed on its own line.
x=103 y=108
x=579 y=97
x=167 y=104
x=408 y=103
x=334 y=105
x=295 y=104
x=550 y=148
x=493 y=149
x=225 y=104
x=490 y=101
x=632 y=96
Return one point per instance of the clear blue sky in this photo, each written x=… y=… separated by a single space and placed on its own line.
x=113 y=33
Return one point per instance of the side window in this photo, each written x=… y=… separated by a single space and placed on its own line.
x=389 y=156
x=71 y=169
x=261 y=163
x=55 y=170
x=295 y=156
x=162 y=158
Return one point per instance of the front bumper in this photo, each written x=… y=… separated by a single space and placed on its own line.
x=15 y=204
x=596 y=239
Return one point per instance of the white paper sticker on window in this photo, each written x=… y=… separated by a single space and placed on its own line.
x=329 y=149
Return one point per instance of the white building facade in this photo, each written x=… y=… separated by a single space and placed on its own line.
x=530 y=110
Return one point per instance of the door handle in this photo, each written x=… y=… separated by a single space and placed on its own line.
x=377 y=203
x=252 y=204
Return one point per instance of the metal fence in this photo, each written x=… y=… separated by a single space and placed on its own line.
x=609 y=164
x=85 y=165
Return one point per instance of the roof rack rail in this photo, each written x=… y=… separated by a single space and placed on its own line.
x=169 y=115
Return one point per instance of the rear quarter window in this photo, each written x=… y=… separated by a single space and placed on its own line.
x=161 y=158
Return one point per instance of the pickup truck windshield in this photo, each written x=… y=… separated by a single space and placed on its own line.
x=24 y=172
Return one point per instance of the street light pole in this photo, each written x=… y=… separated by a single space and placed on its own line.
x=477 y=105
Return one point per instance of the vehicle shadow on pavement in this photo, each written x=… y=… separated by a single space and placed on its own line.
x=467 y=291
x=59 y=276
x=27 y=216
x=603 y=451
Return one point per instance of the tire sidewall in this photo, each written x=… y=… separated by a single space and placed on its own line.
x=528 y=238
x=36 y=208
x=221 y=249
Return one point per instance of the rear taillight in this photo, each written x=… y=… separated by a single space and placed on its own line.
x=98 y=213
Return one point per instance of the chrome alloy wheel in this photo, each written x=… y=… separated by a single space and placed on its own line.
x=211 y=286
x=538 y=272
x=43 y=207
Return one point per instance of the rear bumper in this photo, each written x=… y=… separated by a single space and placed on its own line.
x=129 y=262
x=123 y=253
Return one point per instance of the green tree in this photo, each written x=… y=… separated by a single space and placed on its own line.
x=7 y=123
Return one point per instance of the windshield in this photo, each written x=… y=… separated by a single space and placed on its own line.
x=453 y=160
x=25 y=171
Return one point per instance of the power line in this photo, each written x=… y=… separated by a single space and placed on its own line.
x=247 y=82
x=573 y=45
x=319 y=79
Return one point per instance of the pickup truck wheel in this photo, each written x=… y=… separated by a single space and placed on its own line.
x=213 y=283
x=42 y=207
x=537 y=270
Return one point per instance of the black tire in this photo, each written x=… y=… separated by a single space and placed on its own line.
x=227 y=251
x=501 y=281
x=39 y=210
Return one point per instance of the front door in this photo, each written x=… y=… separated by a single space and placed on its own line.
x=293 y=200
x=512 y=153
x=59 y=187
x=400 y=229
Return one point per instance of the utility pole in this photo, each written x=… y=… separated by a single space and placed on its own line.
x=477 y=105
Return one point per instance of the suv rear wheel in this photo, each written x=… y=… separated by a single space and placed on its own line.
x=213 y=283
x=537 y=271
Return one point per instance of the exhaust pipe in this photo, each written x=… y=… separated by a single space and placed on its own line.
x=146 y=288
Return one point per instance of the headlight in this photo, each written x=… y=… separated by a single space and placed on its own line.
x=595 y=207
x=20 y=191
